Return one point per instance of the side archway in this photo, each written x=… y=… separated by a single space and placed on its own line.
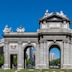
x=29 y=56
x=54 y=56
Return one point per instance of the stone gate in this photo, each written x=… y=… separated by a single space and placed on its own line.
x=54 y=31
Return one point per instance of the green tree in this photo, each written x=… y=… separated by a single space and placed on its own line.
x=55 y=62
x=1 y=59
x=14 y=59
x=28 y=61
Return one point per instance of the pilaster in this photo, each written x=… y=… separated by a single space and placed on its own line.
x=41 y=55
x=37 y=56
x=45 y=54
x=71 y=54
x=66 y=54
x=20 y=59
x=41 y=64
x=6 y=56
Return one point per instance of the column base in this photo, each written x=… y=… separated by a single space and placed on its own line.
x=20 y=66
x=6 y=66
x=41 y=66
x=67 y=66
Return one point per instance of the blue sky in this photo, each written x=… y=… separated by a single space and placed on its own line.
x=56 y=52
x=28 y=12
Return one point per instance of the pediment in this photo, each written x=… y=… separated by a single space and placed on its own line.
x=55 y=17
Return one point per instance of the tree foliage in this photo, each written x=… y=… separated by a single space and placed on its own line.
x=15 y=59
x=1 y=59
x=55 y=62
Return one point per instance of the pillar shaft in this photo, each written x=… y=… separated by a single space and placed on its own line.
x=37 y=56
x=20 y=59
x=6 y=56
x=66 y=55
x=45 y=54
x=42 y=63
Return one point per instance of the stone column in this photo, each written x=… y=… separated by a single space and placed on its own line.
x=20 y=59
x=66 y=55
x=62 y=53
x=47 y=58
x=42 y=60
x=6 y=56
x=41 y=55
x=45 y=53
x=37 y=56
x=71 y=55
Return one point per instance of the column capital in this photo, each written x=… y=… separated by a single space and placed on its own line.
x=6 y=42
x=67 y=41
x=71 y=42
x=37 y=42
x=19 y=42
x=54 y=40
x=43 y=40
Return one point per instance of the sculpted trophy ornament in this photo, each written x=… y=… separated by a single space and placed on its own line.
x=47 y=13
x=7 y=29
x=20 y=29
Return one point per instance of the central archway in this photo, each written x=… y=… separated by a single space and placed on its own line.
x=54 y=56
x=29 y=57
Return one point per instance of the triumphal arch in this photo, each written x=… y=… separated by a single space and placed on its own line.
x=54 y=31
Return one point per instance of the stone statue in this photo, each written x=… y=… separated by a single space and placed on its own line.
x=7 y=29
x=20 y=29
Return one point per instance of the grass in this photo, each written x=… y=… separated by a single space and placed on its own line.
x=9 y=70
x=38 y=70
